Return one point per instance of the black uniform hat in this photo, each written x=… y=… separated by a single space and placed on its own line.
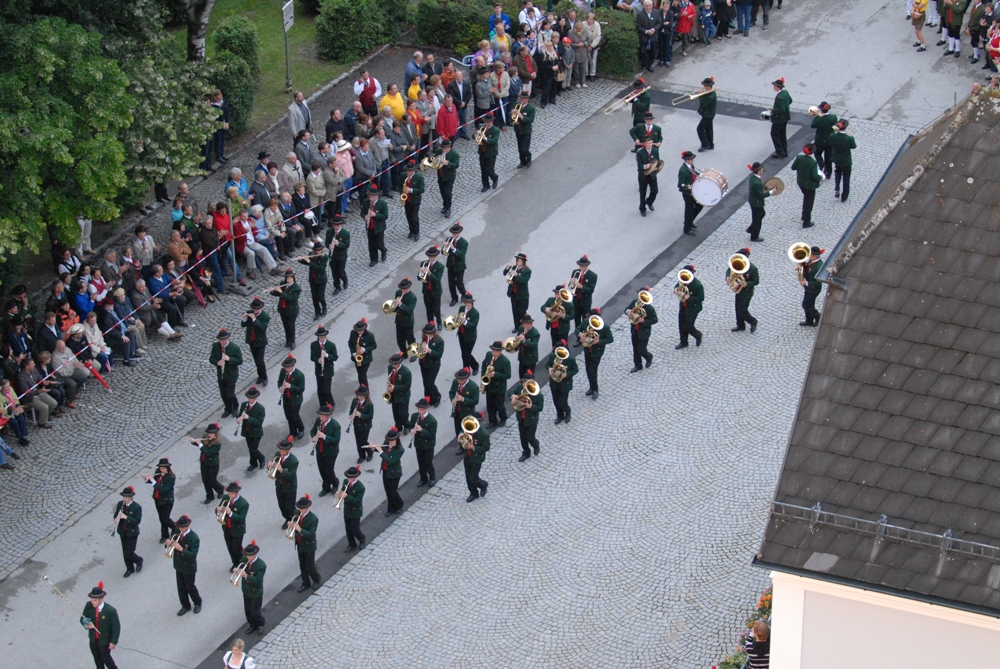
x=745 y=251
x=816 y=251
x=19 y=289
x=256 y=303
x=639 y=83
x=433 y=251
x=462 y=373
x=373 y=191
x=326 y=410
x=183 y=521
x=526 y=318
x=559 y=287
x=404 y=284
x=361 y=325
x=164 y=462
x=251 y=549
x=289 y=361
x=322 y=331
x=445 y=142
x=262 y=155
x=524 y=94
x=824 y=106
x=212 y=428
x=97 y=592
x=223 y=334
x=423 y=402
x=648 y=116
x=429 y=328
x=289 y=272
x=17 y=320
x=689 y=268
x=780 y=83
x=488 y=117
x=396 y=359
x=468 y=298
x=362 y=390
x=129 y=491
x=411 y=165
x=285 y=444
x=842 y=124
x=252 y=392
x=233 y=487
x=303 y=503
x=338 y=219
x=392 y=434
x=584 y=260
x=352 y=473
x=708 y=81
x=455 y=229
x=755 y=167
x=688 y=155
x=809 y=149
x=521 y=256
x=528 y=375
x=497 y=345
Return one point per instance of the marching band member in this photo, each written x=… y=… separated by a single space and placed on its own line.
x=251 y=421
x=406 y=303
x=527 y=418
x=489 y=149
x=841 y=144
x=186 y=565
x=706 y=110
x=305 y=544
x=464 y=397
x=593 y=353
x=640 y=105
x=375 y=212
x=432 y=344
x=398 y=386
x=317 y=276
x=323 y=353
x=496 y=368
x=824 y=124
x=235 y=523
x=127 y=516
x=288 y=305
x=473 y=463
x=517 y=289
x=392 y=470
x=527 y=352
x=447 y=174
x=325 y=435
x=292 y=386
x=641 y=330
x=523 y=127
x=689 y=309
x=456 y=263
x=645 y=157
x=286 y=482
x=432 y=285
x=103 y=627
x=253 y=587
x=255 y=322
x=646 y=127
x=559 y=328
x=163 y=496
x=413 y=189
x=361 y=342
x=745 y=293
x=686 y=176
x=781 y=113
x=338 y=240
x=353 y=494
x=424 y=429
x=227 y=358
x=468 y=331
x=561 y=383
x=361 y=415
x=808 y=177
x=812 y=287
x=584 y=283
x=756 y=200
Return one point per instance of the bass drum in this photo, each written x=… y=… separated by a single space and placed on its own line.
x=709 y=188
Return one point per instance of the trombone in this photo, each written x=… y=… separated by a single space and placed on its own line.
x=625 y=101
x=691 y=96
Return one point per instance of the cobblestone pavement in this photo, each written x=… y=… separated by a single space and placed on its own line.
x=628 y=545
x=104 y=441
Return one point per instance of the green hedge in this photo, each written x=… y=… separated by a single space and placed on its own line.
x=238 y=35
x=347 y=30
x=232 y=75
x=619 y=57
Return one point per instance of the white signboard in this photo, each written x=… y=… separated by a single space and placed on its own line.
x=288 y=13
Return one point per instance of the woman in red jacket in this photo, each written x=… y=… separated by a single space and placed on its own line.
x=447 y=119
x=685 y=23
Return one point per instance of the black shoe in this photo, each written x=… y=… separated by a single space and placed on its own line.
x=249 y=469
x=472 y=498
x=373 y=263
x=209 y=500
x=260 y=465
x=350 y=548
x=197 y=608
x=422 y=484
x=836 y=193
x=559 y=420
x=697 y=341
x=227 y=413
x=361 y=459
x=285 y=525
x=753 y=328
x=496 y=182
x=453 y=303
x=361 y=546
x=524 y=456
x=482 y=489
x=138 y=567
x=806 y=324
x=302 y=588
x=484 y=189
x=336 y=291
x=316 y=586
x=808 y=225
x=642 y=212
x=776 y=155
x=649 y=361
x=537 y=449
x=649 y=205
x=758 y=239
x=690 y=232
x=251 y=629
x=680 y=346
x=127 y=574
x=264 y=383
x=590 y=391
x=594 y=396
x=389 y=513
x=183 y=611
x=324 y=493
x=635 y=369
x=369 y=458
x=514 y=331
x=163 y=540
x=737 y=329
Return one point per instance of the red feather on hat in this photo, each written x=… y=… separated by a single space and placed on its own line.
x=253 y=542
x=100 y=585
x=750 y=167
x=307 y=497
x=426 y=397
x=363 y=320
x=289 y=440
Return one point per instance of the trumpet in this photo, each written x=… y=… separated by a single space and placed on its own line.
x=273 y=467
x=625 y=101
x=511 y=270
x=241 y=572
x=691 y=96
x=293 y=525
x=481 y=135
x=432 y=163
x=448 y=246
x=637 y=312
x=522 y=400
x=390 y=306
x=453 y=322
x=171 y=545
x=574 y=281
x=222 y=512
x=511 y=344
x=387 y=395
x=684 y=277
x=424 y=272
x=590 y=336
x=739 y=265
x=558 y=371
x=340 y=494
x=557 y=311
x=485 y=379
x=515 y=113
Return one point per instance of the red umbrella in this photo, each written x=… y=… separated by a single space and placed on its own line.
x=97 y=375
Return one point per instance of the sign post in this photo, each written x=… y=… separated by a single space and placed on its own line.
x=288 y=16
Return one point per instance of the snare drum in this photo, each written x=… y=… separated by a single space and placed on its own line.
x=709 y=188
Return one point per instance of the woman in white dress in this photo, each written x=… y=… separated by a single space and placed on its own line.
x=236 y=658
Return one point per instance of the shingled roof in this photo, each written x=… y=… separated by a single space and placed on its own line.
x=891 y=480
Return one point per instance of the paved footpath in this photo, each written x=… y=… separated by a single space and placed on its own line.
x=627 y=542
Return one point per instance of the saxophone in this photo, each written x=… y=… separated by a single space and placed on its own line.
x=485 y=380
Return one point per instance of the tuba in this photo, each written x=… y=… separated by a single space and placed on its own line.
x=558 y=371
x=590 y=336
x=522 y=400
x=272 y=467
x=241 y=572
x=558 y=311
x=637 y=312
x=293 y=525
x=485 y=379
x=170 y=542
x=511 y=344
x=814 y=111
x=481 y=135
x=799 y=253
x=221 y=514
x=684 y=277
x=739 y=265
x=470 y=425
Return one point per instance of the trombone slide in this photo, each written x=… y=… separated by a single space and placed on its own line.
x=691 y=96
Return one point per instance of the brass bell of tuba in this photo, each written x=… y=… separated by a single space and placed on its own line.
x=591 y=336
x=389 y=307
x=739 y=263
x=558 y=371
x=645 y=298
x=470 y=425
x=799 y=252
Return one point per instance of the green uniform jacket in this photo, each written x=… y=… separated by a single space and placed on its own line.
x=586 y=288
x=317 y=270
x=638 y=133
x=230 y=372
x=806 y=172
x=186 y=561
x=432 y=359
x=210 y=453
x=297 y=386
x=706 y=105
x=752 y=277
x=813 y=286
x=447 y=173
x=432 y=287
x=490 y=147
x=288 y=479
x=481 y=441
x=163 y=489
x=426 y=439
x=470 y=397
x=824 y=128
x=401 y=384
x=327 y=446
x=695 y=299
x=562 y=324
x=365 y=414
x=418 y=185
x=527 y=352
x=331 y=355
x=605 y=338
x=392 y=467
x=339 y=251
x=644 y=328
x=352 y=501
x=253 y=426
x=253 y=584
x=404 y=312
x=639 y=108
x=305 y=537
x=527 y=120
x=782 y=111
x=953 y=14
x=842 y=144
x=367 y=343
x=108 y=627
x=685 y=178
x=519 y=287
x=381 y=214
x=288 y=299
x=237 y=523
x=456 y=258
x=469 y=330
x=644 y=157
x=528 y=417
x=256 y=330
x=757 y=192
x=501 y=373
x=572 y=369
x=133 y=516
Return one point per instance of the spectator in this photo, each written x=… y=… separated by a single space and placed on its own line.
x=172 y=302
x=261 y=233
x=97 y=286
x=724 y=13
x=260 y=194
x=501 y=40
x=461 y=92
x=429 y=114
x=548 y=67
x=134 y=328
x=594 y=26
x=447 y=119
x=5 y=452
x=178 y=249
x=351 y=120
x=580 y=40
x=299 y=118
x=34 y=393
x=115 y=335
x=13 y=412
x=431 y=67
x=83 y=245
x=69 y=263
x=303 y=147
x=448 y=74
x=500 y=89
x=761 y=5
x=277 y=181
x=758 y=646
x=57 y=296
x=147 y=310
x=394 y=101
x=526 y=69
x=243 y=228
x=364 y=129
x=143 y=249
x=397 y=152
x=364 y=164
x=66 y=317
x=706 y=19
x=275 y=223
x=48 y=334
x=334 y=125
x=293 y=224
x=292 y=169
x=74 y=374
x=236 y=658
x=568 y=59
x=369 y=90
x=82 y=303
x=685 y=23
x=413 y=87
x=485 y=53
x=529 y=16
x=81 y=348
x=18 y=339
x=110 y=268
x=184 y=193
x=918 y=15
x=414 y=68
x=743 y=16
x=316 y=186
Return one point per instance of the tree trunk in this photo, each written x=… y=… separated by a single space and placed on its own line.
x=198 y=12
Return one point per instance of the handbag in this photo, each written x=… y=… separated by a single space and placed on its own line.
x=561 y=76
